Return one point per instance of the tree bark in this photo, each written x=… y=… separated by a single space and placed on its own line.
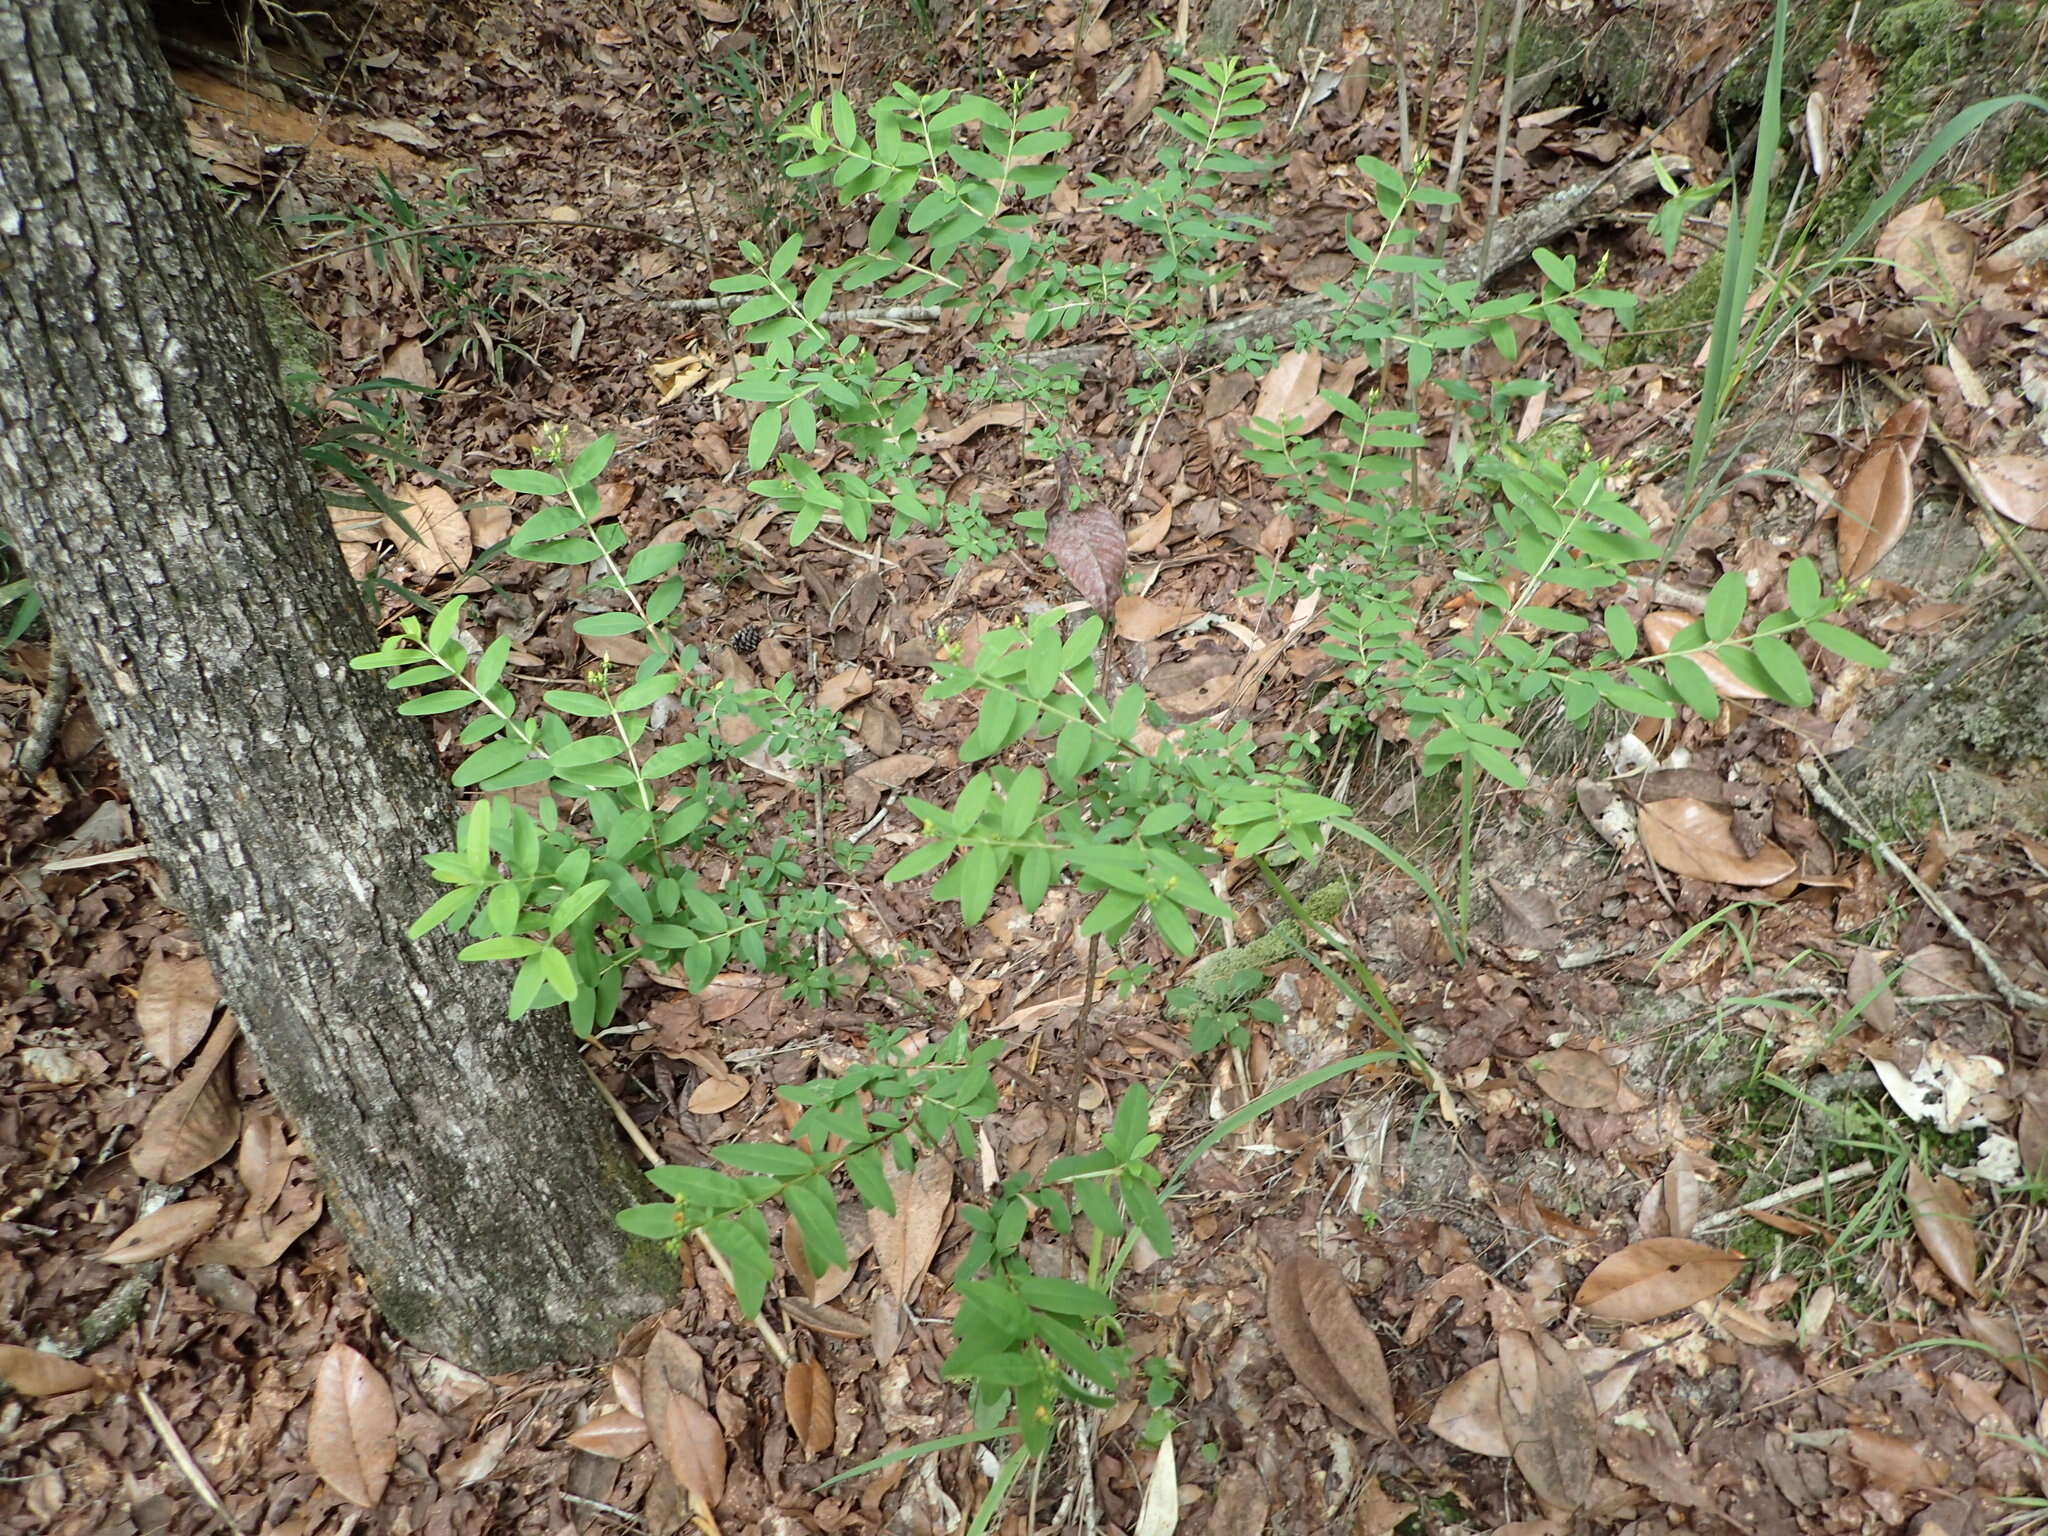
x=148 y=473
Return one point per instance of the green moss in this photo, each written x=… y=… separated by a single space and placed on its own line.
x=1236 y=975
x=1671 y=327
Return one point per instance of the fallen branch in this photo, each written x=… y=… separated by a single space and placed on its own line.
x=2016 y=996
x=1791 y=1195
x=1513 y=239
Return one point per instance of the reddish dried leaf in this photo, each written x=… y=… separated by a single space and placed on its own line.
x=162 y=1232
x=1289 y=392
x=1307 y=1306
x=1347 y=1342
x=193 y=1125
x=1546 y=1414
x=906 y=1242
x=807 y=1399
x=1088 y=547
x=443 y=544
x=352 y=1429
x=1656 y=1276
x=617 y=1435
x=37 y=1373
x=681 y=1427
x=174 y=1002
x=1468 y=1413
x=1579 y=1079
x=1876 y=509
x=715 y=1095
x=2016 y=485
x=1697 y=840
x=1931 y=258
x=1942 y=1222
x=264 y=1161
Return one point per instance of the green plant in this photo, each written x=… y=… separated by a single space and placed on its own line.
x=19 y=601
x=629 y=854
x=1212 y=1023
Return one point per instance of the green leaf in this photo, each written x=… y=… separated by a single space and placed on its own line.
x=1802 y=588
x=919 y=861
x=436 y=703
x=661 y=1223
x=1787 y=673
x=530 y=482
x=608 y=624
x=590 y=463
x=1694 y=686
x=772 y=1158
x=1621 y=630
x=1725 y=605
x=489 y=760
x=1847 y=645
x=763 y=436
x=743 y=1241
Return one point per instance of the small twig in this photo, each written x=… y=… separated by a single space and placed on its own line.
x=1079 y=1068
x=181 y=1458
x=2015 y=995
x=49 y=719
x=1791 y=1195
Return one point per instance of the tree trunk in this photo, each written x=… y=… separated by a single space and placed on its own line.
x=149 y=475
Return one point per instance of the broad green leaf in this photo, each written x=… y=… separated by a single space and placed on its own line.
x=1725 y=605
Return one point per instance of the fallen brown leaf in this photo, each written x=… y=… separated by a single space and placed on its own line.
x=1467 y=1413
x=1546 y=1414
x=1579 y=1079
x=443 y=545
x=1328 y=1344
x=1941 y=1220
x=906 y=1242
x=1876 y=509
x=807 y=1399
x=1289 y=393
x=1088 y=547
x=683 y=1431
x=174 y=1002
x=1140 y=618
x=1662 y=628
x=37 y=1373
x=616 y=1434
x=1656 y=1276
x=352 y=1428
x=1931 y=258
x=192 y=1126
x=2016 y=485
x=1697 y=840
x=162 y=1232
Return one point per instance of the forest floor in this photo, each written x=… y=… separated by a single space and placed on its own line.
x=1799 y=1125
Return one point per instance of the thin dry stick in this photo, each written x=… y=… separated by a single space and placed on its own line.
x=769 y=1338
x=189 y=1469
x=1791 y=1195
x=2015 y=995
x=1500 y=138
x=1464 y=133
x=49 y=718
